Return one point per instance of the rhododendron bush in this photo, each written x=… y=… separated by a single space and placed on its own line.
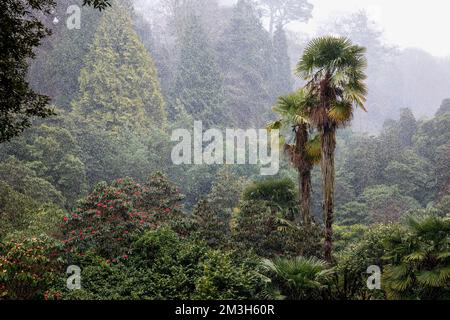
x=110 y=217
x=29 y=266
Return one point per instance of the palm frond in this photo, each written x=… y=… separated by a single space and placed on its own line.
x=342 y=64
x=432 y=278
x=416 y=257
x=314 y=150
x=294 y=106
x=330 y=53
x=341 y=112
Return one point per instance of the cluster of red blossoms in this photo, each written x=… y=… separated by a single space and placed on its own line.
x=108 y=217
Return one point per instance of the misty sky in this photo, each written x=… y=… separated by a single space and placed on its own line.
x=406 y=23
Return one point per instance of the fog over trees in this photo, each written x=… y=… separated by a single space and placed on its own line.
x=399 y=78
x=92 y=120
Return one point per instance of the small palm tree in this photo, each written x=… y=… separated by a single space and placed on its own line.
x=419 y=265
x=298 y=278
x=305 y=152
x=334 y=70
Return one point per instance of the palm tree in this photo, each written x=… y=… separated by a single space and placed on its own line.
x=419 y=264
x=299 y=278
x=305 y=152
x=334 y=70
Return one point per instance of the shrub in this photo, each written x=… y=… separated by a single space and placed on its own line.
x=419 y=261
x=211 y=224
x=108 y=218
x=259 y=227
x=225 y=276
x=345 y=236
x=278 y=192
x=163 y=265
x=350 y=273
x=187 y=269
x=101 y=279
x=298 y=278
x=28 y=267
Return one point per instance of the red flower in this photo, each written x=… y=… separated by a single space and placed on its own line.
x=66 y=219
x=125 y=257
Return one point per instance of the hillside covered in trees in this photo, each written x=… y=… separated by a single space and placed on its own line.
x=87 y=179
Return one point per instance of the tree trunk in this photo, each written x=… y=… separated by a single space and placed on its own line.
x=304 y=168
x=327 y=166
x=305 y=195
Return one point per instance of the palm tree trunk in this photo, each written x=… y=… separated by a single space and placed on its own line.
x=327 y=166
x=305 y=195
x=304 y=174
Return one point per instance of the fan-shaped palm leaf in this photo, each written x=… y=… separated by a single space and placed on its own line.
x=341 y=112
x=313 y=151
x=339 y=61
x=298 y=278
x=294 y=107
x=419 y=262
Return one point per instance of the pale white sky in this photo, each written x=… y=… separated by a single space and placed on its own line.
x=423 y=24
x=406 y=23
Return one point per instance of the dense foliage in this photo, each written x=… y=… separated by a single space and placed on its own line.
x=164 y=266
x=21 y=32
x=94 y=186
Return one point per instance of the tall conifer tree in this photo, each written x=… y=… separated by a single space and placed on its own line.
x=247 y=62
x=282 y=72
x=119 y=85
x=198 y=83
